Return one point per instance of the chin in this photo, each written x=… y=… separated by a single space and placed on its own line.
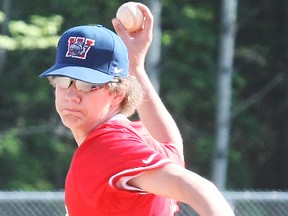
x=71 y=123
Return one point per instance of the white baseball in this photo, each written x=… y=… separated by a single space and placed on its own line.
x=130 y=16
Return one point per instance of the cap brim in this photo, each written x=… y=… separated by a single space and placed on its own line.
x=79 y=73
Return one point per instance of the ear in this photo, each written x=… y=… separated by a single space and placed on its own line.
x=117 y=97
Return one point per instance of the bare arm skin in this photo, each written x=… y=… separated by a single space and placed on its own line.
x=152 y=111
x=186 y=186
x=172 y=181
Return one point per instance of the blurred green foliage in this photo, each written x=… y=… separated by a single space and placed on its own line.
x=35 y=149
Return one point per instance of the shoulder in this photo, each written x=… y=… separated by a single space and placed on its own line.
x=113 y=134
x=115 y=127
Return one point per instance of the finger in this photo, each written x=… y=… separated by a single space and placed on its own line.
x=122 y=32
x=149 y=19
x=119 y=28
x=117 y=25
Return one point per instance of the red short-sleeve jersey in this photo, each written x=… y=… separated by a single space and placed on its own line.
x=115 y=152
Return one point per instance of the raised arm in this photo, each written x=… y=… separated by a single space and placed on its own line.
x=152 y=111
x=172 y=180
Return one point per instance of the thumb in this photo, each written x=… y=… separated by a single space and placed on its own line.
x=119 y=28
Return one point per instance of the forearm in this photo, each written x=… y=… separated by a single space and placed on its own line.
x=201 y=194
x=207 y=199
x=175 y=182
x=154 y=114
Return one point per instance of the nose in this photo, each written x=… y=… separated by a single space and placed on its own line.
x=72 y=93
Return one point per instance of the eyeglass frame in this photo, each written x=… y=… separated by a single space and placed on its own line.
x=83 y=87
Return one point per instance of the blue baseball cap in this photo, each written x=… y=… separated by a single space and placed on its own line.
x=92 y=54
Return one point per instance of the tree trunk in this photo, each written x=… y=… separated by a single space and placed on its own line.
x=284 y=146
x=228 y=15
x=154 y=54
x=6 y=5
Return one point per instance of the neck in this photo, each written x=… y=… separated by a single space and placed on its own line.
x=80 y=134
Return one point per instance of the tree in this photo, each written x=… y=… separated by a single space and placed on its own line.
x=154 y=54
x=6 y=5
x=24 y=106
x=224 y=91
x=30 y=128
x=283 y=149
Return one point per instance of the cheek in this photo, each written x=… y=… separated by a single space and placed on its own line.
x=57 y=105
x=98 y=105
x=58 y=98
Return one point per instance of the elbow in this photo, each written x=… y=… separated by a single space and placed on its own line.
x=207 y=200
x=217 y=205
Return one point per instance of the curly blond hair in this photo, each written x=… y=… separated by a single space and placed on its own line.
x=134 y=93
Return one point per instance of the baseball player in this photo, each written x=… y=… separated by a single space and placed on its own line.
x=121 y=167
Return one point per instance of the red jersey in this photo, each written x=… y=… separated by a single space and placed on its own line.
x=115 y=152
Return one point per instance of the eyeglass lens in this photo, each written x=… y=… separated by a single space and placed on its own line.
x=66 y=82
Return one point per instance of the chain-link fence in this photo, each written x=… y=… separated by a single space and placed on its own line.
x=51 y=204
x=252 y=204
x=259 y=203
x=32 y=204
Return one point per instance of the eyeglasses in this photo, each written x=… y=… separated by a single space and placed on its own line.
x=66 y=82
